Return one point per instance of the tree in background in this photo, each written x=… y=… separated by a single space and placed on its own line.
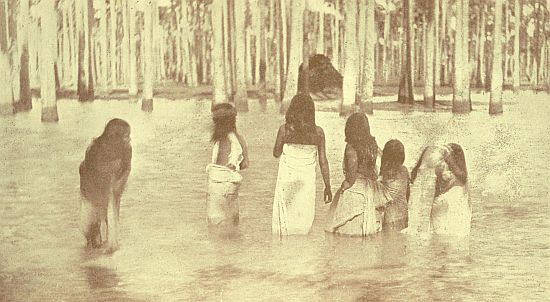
x=48 y=23
x=495 y=102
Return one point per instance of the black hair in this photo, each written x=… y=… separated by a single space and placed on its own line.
x=393 y=157
x=224 y=116
x=358 y=136
x=300 y=121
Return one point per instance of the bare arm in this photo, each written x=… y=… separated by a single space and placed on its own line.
x=351 y=164
x=244 y=146
x=323 y=164
x=279 y=142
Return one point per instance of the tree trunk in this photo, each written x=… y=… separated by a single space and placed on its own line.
x=186 y=34
x=218 y=80
x=103 y=38
x=283 y=43
x=148 y=76
x=25 y=98
x=112 y=44
x=481 y=48
x=72 y=10
x=517 y=22
x=47 y=60
x=278 y=41
x=296 y=53
x=321 y=34
x=241 y=99
x=466 y=51
x=125 y=53
x=506 y=38
x=367 y=83
x=431 y=41
x=351 y=60
x=387 y=46
x=406 y=94
x=495 y=102
x=336 y=39
x=460 y=97
x=6 y=95
x=132 y=60
x=83 y=89
x=437 y=49
x=66 y=64
x=262 y=59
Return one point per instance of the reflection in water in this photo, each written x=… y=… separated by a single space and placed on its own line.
x=168 y=253
x=101 y=277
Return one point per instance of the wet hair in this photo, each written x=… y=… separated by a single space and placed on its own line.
x=114 y=129
x=224 y=116
x=454 y=159
x=111 y=144
x=457 y=162
x=300 y=121
x=358 y=136
x=393 y=157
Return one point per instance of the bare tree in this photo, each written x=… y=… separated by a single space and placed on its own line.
x=296 y=52
x=351 y=58
x=367 y=83
x=48 y=54
x=461 y=96
x=406 y=94
x=218 y=80
x=430 y=49
x=148 y=76
x=25 y=99
x=132 y=60
x=517 y=22
x=495 y=102
x=241 y=99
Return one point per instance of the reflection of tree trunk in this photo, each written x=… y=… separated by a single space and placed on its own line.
x=367 y=83
x=218 y=80
x=296 y=52
x=47 y=60
x=517 y=15
x=495 y=102
x=429 y=81
x=25 y=99
x=350 y=58
x=405 y=94
x=148 y=76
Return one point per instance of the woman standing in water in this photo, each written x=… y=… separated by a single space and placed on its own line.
x=299 y=142
x=229 y=155
x=353 y=212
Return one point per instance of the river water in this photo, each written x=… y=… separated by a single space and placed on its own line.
x=167 y=253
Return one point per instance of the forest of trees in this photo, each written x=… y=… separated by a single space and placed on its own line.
x=98 y=47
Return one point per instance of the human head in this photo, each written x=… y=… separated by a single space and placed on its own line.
x=393 y=157
x=116 y=130
x=301 y=112
x=457 y=162
x=224 y=116
x=358 y=135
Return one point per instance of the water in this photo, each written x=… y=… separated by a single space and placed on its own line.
x=167 y=253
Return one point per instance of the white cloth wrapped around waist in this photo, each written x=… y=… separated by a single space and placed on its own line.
x=222 y=196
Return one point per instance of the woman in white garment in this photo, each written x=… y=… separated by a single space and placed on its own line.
x=299 y=142
x=229 y=155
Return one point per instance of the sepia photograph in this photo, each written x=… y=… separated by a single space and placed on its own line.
x=274 y=150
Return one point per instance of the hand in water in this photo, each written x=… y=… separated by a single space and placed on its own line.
x=327 y=195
